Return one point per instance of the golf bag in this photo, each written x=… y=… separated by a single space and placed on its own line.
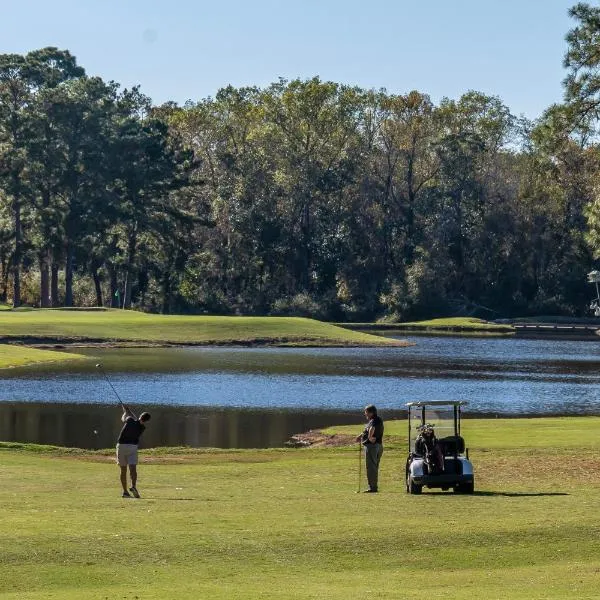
x=428 y=447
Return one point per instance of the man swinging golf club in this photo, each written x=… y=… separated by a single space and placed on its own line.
x=372 y=440
x=129 y=438
x=127 y=448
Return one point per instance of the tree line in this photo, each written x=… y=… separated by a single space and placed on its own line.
x=305 y=197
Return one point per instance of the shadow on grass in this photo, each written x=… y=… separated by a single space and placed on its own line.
x=520 y=494
x=170 y=499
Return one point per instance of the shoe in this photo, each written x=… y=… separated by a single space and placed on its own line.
x=134 y=492
x=370 y=491
x=126 y=495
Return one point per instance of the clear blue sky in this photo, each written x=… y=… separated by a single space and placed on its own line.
x=185 y=49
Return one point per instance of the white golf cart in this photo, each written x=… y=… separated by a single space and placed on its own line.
x=436 y=451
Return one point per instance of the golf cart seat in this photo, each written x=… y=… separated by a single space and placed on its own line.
x=452 y=445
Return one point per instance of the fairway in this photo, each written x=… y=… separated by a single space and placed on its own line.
x=287 y=524
x=15 y=356
x=31 y=326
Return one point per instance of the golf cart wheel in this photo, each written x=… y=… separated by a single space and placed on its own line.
x=412 y=487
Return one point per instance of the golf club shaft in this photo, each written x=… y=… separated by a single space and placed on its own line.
x=359 y=465
x=112 y=387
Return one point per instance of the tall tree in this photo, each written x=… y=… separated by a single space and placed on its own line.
x=143 y=182
x=14 y=98
x=573 y=128
x=21 y=80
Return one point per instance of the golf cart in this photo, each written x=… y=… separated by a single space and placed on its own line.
x=436 y=450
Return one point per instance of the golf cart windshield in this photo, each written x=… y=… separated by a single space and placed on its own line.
x=443 y=417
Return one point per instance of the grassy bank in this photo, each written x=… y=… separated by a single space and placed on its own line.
x=542 y=432
x=287 y=524
x=15 y=356
x=462 y=325
x=467 y=323
x=58 y=326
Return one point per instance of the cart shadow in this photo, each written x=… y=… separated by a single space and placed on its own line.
x=520 y=494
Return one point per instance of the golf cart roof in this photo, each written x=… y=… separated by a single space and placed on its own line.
x=438 y=403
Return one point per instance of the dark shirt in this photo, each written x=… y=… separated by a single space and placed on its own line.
x=377 y=424
x=131 y=432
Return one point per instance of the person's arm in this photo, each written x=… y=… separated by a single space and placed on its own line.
x=127 y=412
x=371 y=435
x=361 y=437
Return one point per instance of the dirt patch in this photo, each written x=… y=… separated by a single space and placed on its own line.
x=583 y=466
x=318 y=439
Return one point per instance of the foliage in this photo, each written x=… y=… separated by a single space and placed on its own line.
x=304 y=197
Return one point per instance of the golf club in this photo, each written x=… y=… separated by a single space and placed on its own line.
x=359 y=466
x=101 y=368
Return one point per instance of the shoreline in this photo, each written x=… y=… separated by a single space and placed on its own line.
x=58 y=343
x=568 y=431
x=533 y=329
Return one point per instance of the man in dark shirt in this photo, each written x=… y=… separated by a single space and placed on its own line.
x=372 y=440
x=127 y=448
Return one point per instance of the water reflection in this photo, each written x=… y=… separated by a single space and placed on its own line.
x=97 y=426
x=222 y=396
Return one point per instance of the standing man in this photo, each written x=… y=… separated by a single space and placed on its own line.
x=127 y=448
x=372 y=440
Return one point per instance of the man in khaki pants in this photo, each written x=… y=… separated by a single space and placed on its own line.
x=127 y=448
x=372 y=440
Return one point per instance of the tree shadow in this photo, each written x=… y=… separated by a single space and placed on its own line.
x=519 y=494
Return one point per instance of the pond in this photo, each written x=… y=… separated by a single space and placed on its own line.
x=287 y=390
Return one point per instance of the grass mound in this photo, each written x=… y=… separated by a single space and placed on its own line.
x=15 y=356
x=465 y=323
x=130 y=326
x=451 y=325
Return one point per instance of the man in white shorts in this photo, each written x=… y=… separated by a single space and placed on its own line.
x=127 y=448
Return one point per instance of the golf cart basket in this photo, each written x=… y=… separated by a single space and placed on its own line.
x=437 y=457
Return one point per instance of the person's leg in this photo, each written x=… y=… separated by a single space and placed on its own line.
x=124 y=478
x=372 y=464
x=133 y=461
x=378 y=450
x=122 y=462
x=133 y=473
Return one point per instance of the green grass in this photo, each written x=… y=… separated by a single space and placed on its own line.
x=460 y=322
x=450 y=326
x=15 y=356
x=131 y=326
x=287 y=524
x=542 y=432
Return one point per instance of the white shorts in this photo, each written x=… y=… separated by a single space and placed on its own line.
x=127 y=454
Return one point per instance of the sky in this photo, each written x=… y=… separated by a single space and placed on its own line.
x=187 y=50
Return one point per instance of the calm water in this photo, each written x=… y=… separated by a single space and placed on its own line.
x=499 y=376
x=97 y=425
